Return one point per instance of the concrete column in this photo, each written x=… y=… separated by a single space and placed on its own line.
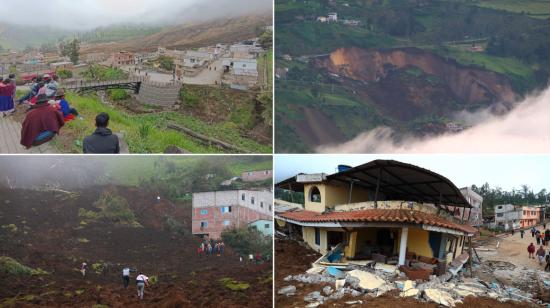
x=403 y=245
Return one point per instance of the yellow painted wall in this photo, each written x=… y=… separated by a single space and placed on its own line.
x=308 y=234
x=324 y=246
x=280 y=223
x=418 y=242
x=332 y=195
x=349 y=250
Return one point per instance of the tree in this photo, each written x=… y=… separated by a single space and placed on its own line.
x=71 y=50
x=266 y=39
x=74 y=53
x=166 y=63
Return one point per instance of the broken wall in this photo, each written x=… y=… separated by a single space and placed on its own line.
x=332 y=195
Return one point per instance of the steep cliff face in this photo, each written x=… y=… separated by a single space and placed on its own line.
x=472 y=85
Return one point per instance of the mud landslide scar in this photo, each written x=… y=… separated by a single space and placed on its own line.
x=184 y=279
x=470 y=84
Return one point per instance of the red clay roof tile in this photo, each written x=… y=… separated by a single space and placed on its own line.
x=377 y=215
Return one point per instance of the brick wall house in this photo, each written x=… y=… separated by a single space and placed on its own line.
x=217 y=210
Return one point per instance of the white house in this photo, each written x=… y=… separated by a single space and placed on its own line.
x=245 y=67
x=196 y=58
x=332 y=17
x=507 y=216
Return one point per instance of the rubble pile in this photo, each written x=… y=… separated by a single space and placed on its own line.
x=369 y=282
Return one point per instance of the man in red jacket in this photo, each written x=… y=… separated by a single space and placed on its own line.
x=41 y=123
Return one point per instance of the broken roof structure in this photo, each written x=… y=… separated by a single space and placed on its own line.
x=384 y=210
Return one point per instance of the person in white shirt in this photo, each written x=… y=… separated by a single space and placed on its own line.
x=141 y=281
x=126 y=277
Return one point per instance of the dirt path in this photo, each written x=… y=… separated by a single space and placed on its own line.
x=513 y=249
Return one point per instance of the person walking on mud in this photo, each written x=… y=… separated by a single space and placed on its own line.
x=126 y=277
x=540 y=254
x=533 y=231
x=547 y=267
x=537 y=236
x=83 y=269
x=531 y=250
x=141 y=281
x=547 y=236
x=222 y=247
x=521 y=233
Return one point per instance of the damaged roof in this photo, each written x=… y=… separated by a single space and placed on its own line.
x=377 y=215
x=397 y=181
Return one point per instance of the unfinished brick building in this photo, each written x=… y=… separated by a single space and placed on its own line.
x=216 y=210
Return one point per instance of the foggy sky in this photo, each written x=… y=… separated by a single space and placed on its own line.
x=526 y=129
x=505 y=171
x=89 y=14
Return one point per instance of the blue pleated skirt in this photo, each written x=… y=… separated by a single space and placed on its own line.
x=6 y=103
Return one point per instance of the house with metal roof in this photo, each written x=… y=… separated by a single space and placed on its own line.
x=384 y=211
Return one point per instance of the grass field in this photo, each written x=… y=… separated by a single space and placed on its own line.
x=532 y=8
x=132 y=170
x=148 y=133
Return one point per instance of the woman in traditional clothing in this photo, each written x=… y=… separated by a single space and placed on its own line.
x=6 y=97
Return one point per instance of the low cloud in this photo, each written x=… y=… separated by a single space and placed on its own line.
x=88 y=14
x=525 y=129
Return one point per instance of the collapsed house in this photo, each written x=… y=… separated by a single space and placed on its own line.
x=383 y=211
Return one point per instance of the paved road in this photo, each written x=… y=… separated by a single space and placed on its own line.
x=10 y=135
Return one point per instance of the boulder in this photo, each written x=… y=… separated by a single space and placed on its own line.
x=439 y=297
x=404 y=285
x=410 y=292
x=314 y=297
x=288 y=290
x=367 y=280
x=387 y=268
x=340 y=283
x=327 y=290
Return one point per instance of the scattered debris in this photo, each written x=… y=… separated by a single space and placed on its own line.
x=439 y=297
x=367 y=280
x=288 y=290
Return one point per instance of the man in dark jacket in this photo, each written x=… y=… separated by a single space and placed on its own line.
x=102 y=141
x=41 y=123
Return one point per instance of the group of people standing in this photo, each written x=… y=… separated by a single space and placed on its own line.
x=48 y=112
x=543 y=239
x=210 y=247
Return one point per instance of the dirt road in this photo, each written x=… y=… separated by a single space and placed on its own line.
x=513 y=249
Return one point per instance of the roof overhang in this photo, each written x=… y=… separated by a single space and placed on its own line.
x=397 y=225
x=394 y=180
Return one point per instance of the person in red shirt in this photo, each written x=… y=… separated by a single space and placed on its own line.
x=531 y=250
x=41 y=124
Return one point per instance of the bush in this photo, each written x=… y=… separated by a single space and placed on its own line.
x=234 y=285
x=12 y=267
x=64 y=74
x=118 y=94
x=248 y=241
x=115 y=208
x=188 y=98
x=166 y=63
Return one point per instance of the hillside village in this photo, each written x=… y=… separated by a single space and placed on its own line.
x=234 y=65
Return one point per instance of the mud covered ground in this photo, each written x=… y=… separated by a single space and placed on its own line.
x=50 y=235
x=291 y=258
